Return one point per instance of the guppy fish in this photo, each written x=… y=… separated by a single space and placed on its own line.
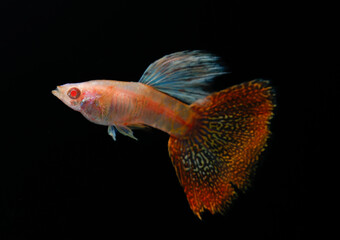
x=215 y=139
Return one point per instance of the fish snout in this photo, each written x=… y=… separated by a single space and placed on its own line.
x=56 y=92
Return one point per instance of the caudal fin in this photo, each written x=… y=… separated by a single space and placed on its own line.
x=222 y=150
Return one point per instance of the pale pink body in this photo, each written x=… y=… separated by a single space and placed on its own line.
x=133 y=103
x=129 y=104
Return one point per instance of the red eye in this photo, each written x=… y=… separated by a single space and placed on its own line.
x=73 y=93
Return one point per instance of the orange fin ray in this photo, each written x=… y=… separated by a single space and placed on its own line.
x=222 y=149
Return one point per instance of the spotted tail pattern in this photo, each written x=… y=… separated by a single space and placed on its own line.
x=222 y=150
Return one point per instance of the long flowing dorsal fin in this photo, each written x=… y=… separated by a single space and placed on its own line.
x=183 y=75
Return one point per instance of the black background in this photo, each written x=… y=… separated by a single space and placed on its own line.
x=63 y=177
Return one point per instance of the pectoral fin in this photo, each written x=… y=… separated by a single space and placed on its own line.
x=122 y=129
x=112 y=132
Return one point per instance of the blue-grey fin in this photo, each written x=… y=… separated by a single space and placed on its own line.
x=183 y=75
x=112 y=132
x=125 y=131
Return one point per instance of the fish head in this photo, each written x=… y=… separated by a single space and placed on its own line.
x=72 y=94
x=88 y=98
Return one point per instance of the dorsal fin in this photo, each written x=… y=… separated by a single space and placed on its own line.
x=183 y=75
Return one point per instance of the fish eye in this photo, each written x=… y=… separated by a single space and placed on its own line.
x=73 y=93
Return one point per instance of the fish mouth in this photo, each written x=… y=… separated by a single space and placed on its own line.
x=56 y=92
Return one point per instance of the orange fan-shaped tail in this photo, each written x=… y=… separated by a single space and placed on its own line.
x=221 y=151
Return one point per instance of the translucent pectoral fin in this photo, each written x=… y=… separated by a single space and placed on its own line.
x=112 y=132
x=125 y=131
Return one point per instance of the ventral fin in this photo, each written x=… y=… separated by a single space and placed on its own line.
x=125 y=131
x=122 y=129
x=183 y=75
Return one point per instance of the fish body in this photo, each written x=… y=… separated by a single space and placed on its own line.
x=215 y=138
x=117 y=103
